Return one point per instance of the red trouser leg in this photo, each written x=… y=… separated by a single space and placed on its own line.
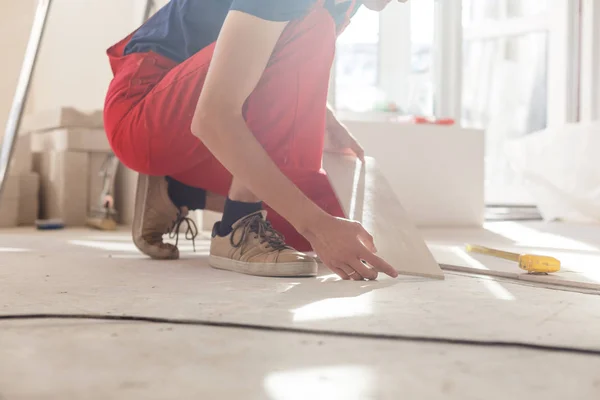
x=151 y=102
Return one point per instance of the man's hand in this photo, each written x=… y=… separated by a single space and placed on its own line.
x=347 y=249
x=340 y=140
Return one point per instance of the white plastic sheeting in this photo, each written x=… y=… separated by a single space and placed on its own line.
x=561 y=166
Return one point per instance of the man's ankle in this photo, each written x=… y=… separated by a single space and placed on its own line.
x=233 y=212
x=186 y=196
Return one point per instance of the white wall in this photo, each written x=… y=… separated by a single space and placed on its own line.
x=73 y=68
x=16 y=18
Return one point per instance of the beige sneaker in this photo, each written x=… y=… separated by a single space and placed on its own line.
x=255 y=248
x=155 y=215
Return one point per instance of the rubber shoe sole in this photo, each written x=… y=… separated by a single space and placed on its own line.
x=275 y=270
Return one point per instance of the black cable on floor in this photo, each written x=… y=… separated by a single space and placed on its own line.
x=304 y=331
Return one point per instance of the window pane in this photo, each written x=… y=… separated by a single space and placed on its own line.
x=357 y=63
x=481 y=10
x=384 y=60
x=504 y=92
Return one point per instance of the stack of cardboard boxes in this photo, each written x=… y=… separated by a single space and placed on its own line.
x=20 y=198
x=61 y=152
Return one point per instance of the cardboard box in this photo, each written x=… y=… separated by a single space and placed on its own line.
x=70 y=139
x=65 y=117
x=29 y=194
x=64 y=186
x=21 y=162
x=9 y=203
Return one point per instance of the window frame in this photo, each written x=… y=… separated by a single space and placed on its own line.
x=562 y=23
x=394 y=24
x=563 y=26
x=590 y=61
x=448 y=59
x=573 y=90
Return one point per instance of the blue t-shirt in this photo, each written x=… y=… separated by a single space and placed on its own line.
x=184 y=27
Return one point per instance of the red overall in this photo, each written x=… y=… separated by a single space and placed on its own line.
x=151 y=102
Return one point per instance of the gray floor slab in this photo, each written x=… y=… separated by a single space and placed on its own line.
x=79 y=271
x=98 y=361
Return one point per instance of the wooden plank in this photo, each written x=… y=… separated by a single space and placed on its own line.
x=366 y=196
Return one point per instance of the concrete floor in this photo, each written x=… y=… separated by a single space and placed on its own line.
x=80 y=271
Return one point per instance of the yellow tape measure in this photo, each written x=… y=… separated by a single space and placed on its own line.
x=531 y=263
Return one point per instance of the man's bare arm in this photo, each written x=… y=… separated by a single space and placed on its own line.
x=241 y=55
x=242 y=52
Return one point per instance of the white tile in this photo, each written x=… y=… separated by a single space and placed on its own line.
x=366 y=196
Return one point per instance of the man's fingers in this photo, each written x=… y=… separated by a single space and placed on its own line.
x=379 y=264
x=350 y=272
x=364 y=270
x=353 y=273
x=340 y=272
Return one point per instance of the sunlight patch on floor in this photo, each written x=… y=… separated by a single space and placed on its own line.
x=495 y=288
x=528 y=237
x=12 y=250
x=343 y=382
x=587 y=265
x=342 y=307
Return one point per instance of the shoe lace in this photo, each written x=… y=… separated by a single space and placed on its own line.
x=258 y=225
x=191 y=231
